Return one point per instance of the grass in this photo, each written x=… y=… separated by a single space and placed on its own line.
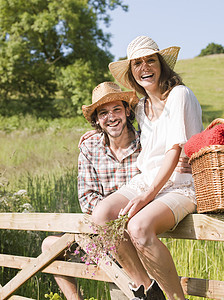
x=40 y=156
x=39 y=148
x=205 y=76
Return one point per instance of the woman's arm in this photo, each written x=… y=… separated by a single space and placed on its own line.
x=86 y=135
x=169 y=164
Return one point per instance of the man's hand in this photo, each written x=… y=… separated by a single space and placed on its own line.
x=86 y=135
x=183 y=165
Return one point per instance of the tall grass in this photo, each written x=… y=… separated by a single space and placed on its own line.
x=38 y=148
x=197 y=259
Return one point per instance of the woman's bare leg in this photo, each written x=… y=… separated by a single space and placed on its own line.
x=143 y=228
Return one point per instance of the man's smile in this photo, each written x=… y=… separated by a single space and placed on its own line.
x=114 y=124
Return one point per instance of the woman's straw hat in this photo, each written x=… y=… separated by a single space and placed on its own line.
x=108 y=92
x=141 y=46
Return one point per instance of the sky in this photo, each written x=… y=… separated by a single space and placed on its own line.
x=189 y=24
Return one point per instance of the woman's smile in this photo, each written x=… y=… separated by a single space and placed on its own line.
x=146 y=76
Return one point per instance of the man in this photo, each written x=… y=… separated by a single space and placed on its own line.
x=107 y=159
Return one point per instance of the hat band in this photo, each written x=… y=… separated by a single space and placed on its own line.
x=142 y=52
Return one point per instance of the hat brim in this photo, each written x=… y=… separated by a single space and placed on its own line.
x=130 y=97
x=119 y=68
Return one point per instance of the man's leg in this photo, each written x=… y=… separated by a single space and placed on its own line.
x=68 y=285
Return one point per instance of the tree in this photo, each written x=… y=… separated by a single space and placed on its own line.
x=212 y=48
x=45 y=43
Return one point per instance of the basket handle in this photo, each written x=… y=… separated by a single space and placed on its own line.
x=214 y=122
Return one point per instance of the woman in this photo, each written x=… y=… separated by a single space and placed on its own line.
x=160 y=197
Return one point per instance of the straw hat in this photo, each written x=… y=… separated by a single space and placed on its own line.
x=108 y=92
x=141 y=46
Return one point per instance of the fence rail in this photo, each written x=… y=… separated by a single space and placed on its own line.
x=194 y=226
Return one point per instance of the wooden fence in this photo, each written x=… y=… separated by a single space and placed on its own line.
x=75 y=226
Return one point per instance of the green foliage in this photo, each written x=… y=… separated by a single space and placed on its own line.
x=77 y=81
x=23 y=77
x=212 y=48
x=30 y=124
x=52 y=296
x=41 y=39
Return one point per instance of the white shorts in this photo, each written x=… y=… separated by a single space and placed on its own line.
x=179 y=204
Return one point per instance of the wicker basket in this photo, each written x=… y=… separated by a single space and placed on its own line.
x=208 y=174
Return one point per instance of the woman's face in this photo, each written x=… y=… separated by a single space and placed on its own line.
x=146 y=71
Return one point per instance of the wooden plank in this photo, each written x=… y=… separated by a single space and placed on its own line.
x=66 y=268
x=210 y=289
x=199 y=227
x=113 y=271
x=36 y=265
x=16 y=297
x=116 y=293
x=51 y=222
x=194 y=226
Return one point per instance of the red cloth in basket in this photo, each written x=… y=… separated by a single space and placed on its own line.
x=213 y=136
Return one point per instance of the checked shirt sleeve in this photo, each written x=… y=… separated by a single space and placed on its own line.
x=90 y=191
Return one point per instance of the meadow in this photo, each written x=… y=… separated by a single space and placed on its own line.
x=40 y=156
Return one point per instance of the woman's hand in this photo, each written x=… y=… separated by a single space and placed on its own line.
x=86 y=135
x=136 y=204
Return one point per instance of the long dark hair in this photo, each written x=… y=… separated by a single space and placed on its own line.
x=167 y=81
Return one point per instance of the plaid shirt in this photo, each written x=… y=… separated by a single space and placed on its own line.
x=100 y=173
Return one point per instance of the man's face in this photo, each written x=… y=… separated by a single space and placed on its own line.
x=112 y=118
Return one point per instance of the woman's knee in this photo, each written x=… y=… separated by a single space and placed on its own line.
x=141 y=234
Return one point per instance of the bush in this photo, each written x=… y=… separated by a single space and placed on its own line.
x=212 y=48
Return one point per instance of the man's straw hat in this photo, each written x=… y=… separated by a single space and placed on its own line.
x=141 y=46
x=108 y=92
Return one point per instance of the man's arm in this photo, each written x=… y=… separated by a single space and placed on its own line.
x=90 y=190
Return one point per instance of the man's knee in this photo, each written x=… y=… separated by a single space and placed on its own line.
x=99 y=216
x=48 y=242
x=102 y=214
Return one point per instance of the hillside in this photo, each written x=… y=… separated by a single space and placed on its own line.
x=205 y=76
